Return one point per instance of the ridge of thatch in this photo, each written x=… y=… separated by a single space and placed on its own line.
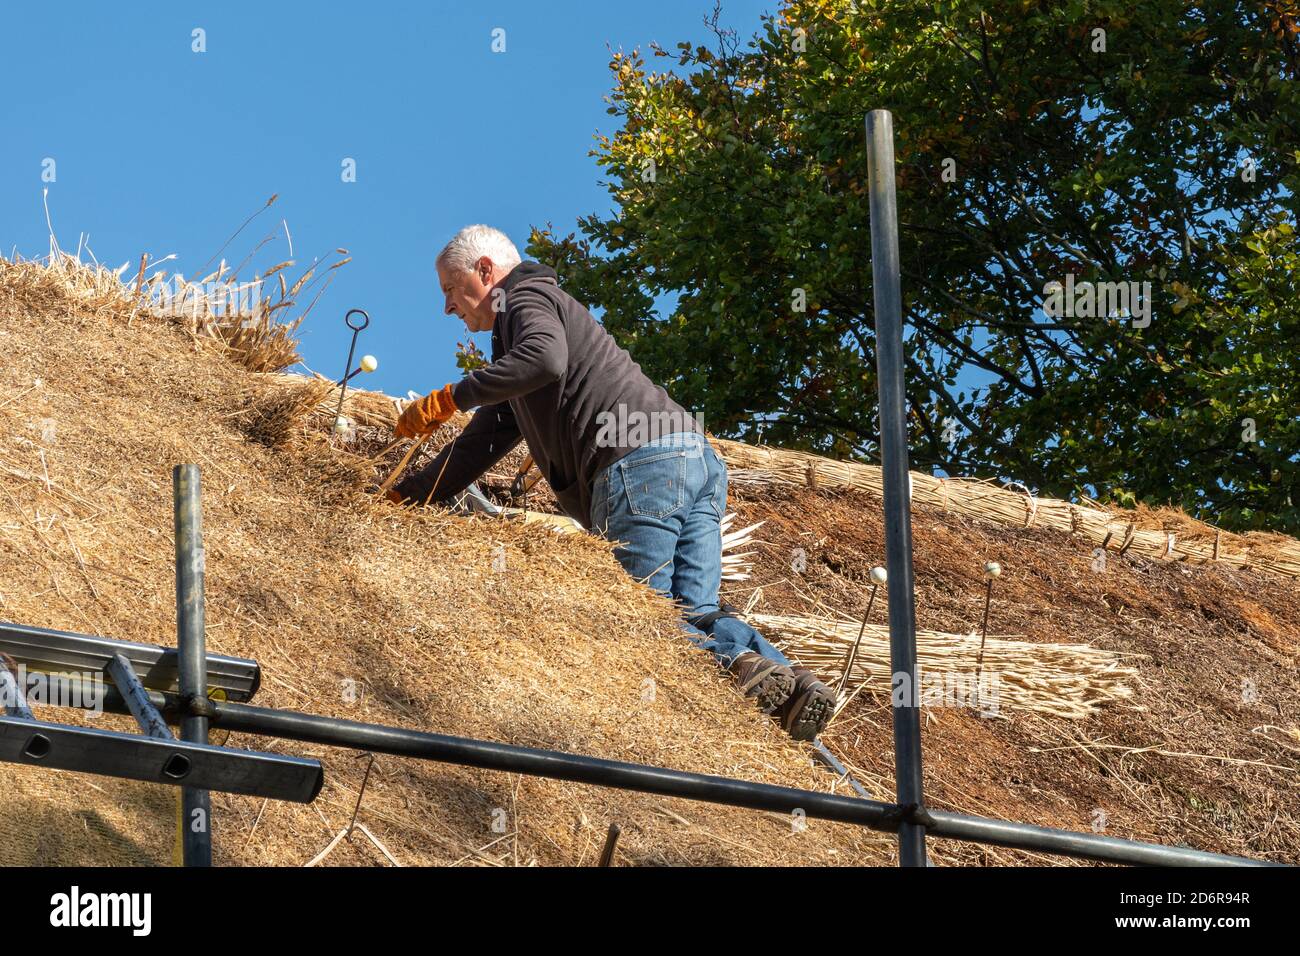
x=1164 y=534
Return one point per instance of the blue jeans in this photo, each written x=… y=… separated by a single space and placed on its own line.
x=664 y=502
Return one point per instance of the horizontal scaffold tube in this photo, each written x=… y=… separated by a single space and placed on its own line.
x=558 y=765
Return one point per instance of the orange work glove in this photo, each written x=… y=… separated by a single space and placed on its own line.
x=423 y=416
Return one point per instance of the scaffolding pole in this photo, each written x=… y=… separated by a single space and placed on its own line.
x=894 y=460
x=578 y=768
x=196 y=804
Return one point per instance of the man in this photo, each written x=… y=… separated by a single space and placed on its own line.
x=623 y=459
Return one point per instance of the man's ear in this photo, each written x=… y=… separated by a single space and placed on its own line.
x=484 y=268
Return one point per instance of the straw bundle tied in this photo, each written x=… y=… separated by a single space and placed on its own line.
x=361 y=407
x=1174 y=537
x=1065 y=680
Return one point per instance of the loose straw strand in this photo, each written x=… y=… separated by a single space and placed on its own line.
x=401 y=465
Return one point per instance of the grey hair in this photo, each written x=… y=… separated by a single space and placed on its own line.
x=472 y=243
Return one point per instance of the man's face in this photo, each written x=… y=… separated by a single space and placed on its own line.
x=468 y=294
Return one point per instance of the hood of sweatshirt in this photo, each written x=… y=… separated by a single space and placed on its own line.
x=528 y=270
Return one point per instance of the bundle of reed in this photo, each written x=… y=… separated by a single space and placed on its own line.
x=258 y=341
x=63 y=279
x=246 y=324
x=1066 y=680
x=1162 y=535
x=562 y=523
x=360 y=406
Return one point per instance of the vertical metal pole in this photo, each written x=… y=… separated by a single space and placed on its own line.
x=196 y=806
x=894 y=458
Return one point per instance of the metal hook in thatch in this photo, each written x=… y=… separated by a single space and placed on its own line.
x=347 y=368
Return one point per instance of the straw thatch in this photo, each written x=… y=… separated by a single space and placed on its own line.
x=736 y=563
x=355 y=608
x=1184 y=759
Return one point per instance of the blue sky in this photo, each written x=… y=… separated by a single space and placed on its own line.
x=163 y=150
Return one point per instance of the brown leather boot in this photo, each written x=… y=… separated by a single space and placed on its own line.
x=809 y=707
x=764 y=679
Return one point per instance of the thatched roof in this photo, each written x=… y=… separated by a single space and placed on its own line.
x=325 y=584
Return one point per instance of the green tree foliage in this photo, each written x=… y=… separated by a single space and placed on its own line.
x=1144 y=141
x=469 y=357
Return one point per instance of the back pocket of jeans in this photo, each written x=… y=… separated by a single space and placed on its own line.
x=656 y=485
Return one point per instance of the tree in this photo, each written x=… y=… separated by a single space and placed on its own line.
x=1100 y=145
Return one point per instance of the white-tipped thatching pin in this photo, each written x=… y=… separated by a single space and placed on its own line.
x=341 y=425
x=992 y=569
x=878 y=576
x=369 y=363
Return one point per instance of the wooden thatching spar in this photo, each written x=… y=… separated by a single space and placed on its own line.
x=401 y=465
